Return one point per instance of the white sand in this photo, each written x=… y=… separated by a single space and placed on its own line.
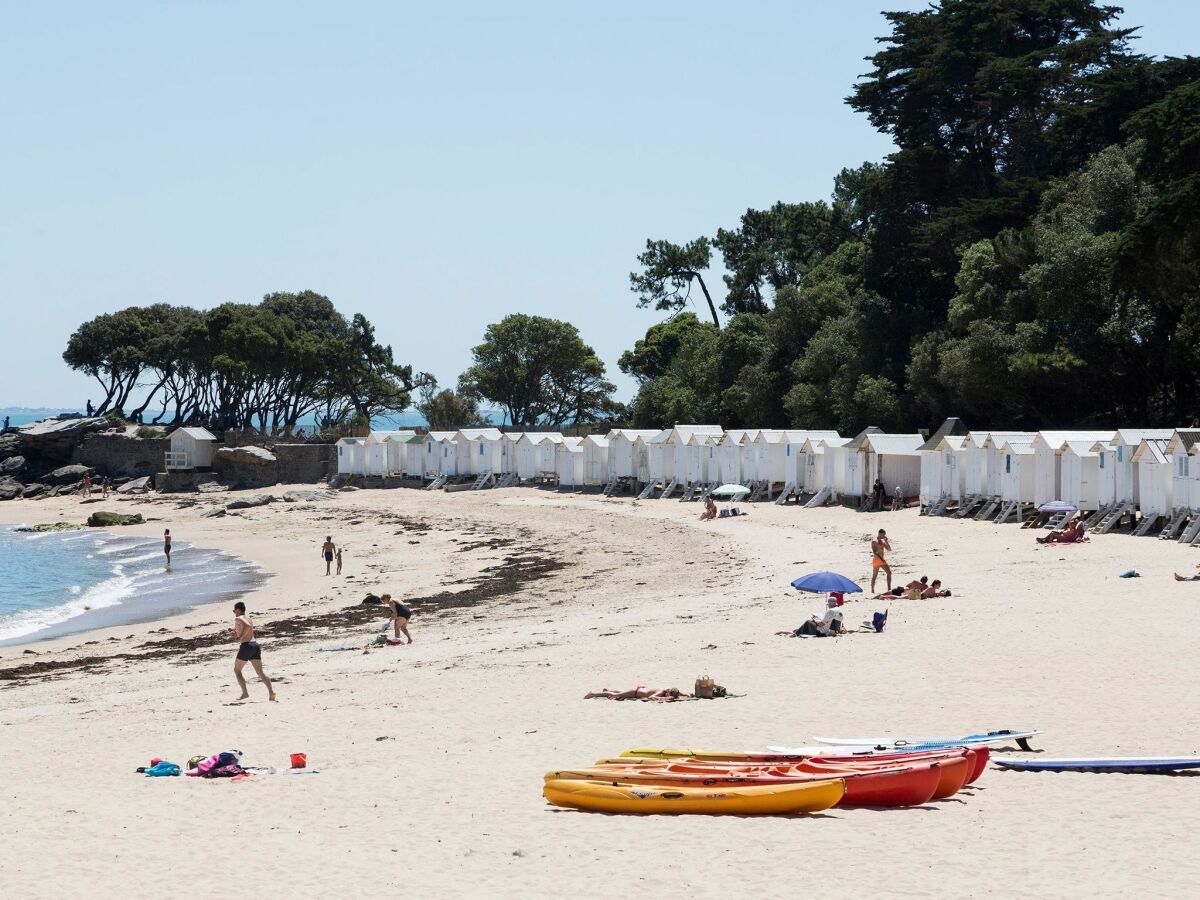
x=431 y=757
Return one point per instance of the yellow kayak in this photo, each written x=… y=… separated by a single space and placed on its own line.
x=596 y=796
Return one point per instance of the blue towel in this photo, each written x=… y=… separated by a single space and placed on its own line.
x=162 y=768
x=1132 y=573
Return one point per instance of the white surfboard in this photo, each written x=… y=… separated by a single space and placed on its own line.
x=985 y=739
x=1131 y=764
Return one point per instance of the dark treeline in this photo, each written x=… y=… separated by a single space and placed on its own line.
x=1028 y=256
x=241 y=365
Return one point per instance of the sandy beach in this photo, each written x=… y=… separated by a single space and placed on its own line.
x=431 y=756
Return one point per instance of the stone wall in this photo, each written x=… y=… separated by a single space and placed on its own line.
x=120 y=455
x=305 y=463
x=175 y=481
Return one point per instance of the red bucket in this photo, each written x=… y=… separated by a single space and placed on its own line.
x=299 y=760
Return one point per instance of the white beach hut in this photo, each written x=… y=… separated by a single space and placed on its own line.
x=730 y=454
x=405 y=454
x=568 y=462
x=440 y=457
x=191 y=448
x=1182 y=450
x=535 y=453
x=480 y=451
x=351 y=456
x=1106 y=473
x=943 y=471
x=595 y=459
x=1125 y=442
x=622 y=450
x=683 y=450
x=654 y=460
x=892 y=458
x=1016 y=470
x=1154 y=480
x=375 y=448
x=1047 y=447
x=1079 y=465
x=975 y=464
x=994 y=465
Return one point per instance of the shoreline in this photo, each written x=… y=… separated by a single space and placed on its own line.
x=244 y=576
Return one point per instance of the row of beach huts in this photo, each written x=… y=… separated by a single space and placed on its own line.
x=1145 y=479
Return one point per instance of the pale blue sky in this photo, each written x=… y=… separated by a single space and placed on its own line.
x=433 y=167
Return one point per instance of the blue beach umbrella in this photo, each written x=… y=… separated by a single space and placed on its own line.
x=825 y=583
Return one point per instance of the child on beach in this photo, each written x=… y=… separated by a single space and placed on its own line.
x=339 y=560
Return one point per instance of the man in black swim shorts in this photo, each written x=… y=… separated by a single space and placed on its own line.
x=328 y=549
x=248 y=651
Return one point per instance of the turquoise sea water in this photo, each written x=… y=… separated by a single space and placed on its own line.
x=65 y=582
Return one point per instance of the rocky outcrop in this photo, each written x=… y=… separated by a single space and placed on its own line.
x=53 y=526
x=135 y=486
x=251 y=501
x=68 y=474
x=212 y=487
x=12 y=466
x=10 y=488
x=33 y=490
x=105 y=519
x=245 y=467
x=54 y=440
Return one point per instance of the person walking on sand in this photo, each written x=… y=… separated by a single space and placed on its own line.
x=400 y=616
x=167 y=546
x=339 y=560
x=248 y=651
x=104 y=487
x=879 y=547
x=328 y=549
x=86 y=486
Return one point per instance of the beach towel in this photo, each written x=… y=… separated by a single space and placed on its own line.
x=1131 y=573
x=225 y=764
x=162 y=768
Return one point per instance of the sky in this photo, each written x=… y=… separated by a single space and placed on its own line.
x=435 y=166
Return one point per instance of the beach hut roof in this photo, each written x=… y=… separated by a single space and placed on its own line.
x=405 y=437
x=571 y=444
x=598 y=439
x=348 y=441
x=998 y=438
x=1019 y=448
x=893 y=444
x=539 y=437
x=948 y=442
x=1130 y=436
x=1083 y=448
x=632 y=434
x=479 y=434
x=743 y=434
x=380 y=436
x=680 y=434
x=1054 y=440
x=1151 y=450
x=195 y=433
x=1188 y=437
x=439 y=435
x=862 y=435
x=952 y=426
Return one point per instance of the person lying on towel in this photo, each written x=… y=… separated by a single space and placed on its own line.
x=641 y=692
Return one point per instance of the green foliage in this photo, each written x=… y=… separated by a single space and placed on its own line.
x=540 y=372
x=260 y=365
x=1029 y=254
x=447 y=409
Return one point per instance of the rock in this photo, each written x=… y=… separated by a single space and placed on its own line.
x=33 y=490
x=68 y=474
x=10 y=488
x=135 y=486
x=213 y=513
x=248 y=502
x=60 y=490
x=212 y=487
x=371 y=599
x=255 y=456
x=12 y=465
x=105 y=519
x=54 y=439
x=54 y=526
x=303 y=496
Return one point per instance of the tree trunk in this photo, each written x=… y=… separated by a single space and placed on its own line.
x=707 y=296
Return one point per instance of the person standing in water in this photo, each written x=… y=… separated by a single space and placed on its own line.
x=328 y=549
x=879 y=547
x=400 y=616
x=248 y=651
x=167 y=546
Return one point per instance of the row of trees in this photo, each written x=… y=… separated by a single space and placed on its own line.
x=1029 y=255
x=264 y=365
x=269 y=365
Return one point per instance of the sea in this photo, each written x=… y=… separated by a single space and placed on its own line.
x=409 y=418
x=59 y=583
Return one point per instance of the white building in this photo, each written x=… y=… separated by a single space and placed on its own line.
x=375 y=451
x=535 y=453
x=1047 y=475
x=1154 y=478
x=679 y=441
x=892 y=458
x=481 y=451
x=1124 y=443
x=568 y=462
x=1183 y=451
x=191 y=448
x=622 y=450
x=1079 y=474
x=1016 y=471
x=441 y=459
x=351 y=456
x=405 y=455
x=595 y=459
x=943 y=470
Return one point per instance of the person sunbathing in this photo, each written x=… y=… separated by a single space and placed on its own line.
x=641 y=692
x=1072 y=534
x=710 y=509
x=1195 y=577
x=912 y=591
x=934 y=590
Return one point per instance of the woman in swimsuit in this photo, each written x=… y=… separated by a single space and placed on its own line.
x=641 y=692
x=167 y=545
x=400 y=616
